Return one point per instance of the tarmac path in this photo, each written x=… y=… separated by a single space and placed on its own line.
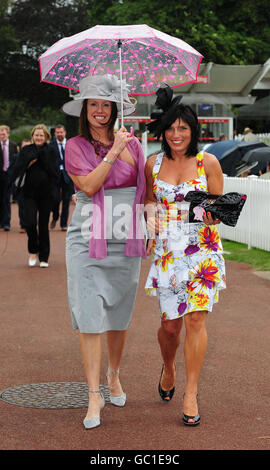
x=38 y=346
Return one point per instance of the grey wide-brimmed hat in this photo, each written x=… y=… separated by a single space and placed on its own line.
x=103 y=87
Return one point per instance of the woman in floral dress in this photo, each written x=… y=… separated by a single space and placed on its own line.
x=187 y=270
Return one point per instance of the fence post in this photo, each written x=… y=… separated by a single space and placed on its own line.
x=251 y=179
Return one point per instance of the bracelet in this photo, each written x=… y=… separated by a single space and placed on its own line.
x=111 y=162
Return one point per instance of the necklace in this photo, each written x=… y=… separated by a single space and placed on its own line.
x=101 y=149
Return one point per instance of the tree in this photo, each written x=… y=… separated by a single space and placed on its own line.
x=224 y=31
x=8 y=41
x=37 y=25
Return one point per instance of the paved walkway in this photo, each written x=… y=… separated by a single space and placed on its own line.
x=38 y=346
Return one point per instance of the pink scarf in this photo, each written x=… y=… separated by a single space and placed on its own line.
x=80 y=159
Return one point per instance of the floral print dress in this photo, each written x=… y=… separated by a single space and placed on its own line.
x=188 y=269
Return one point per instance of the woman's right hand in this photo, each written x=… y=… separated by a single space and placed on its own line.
x=154 y=225
x=149 y=248
x=121 y=139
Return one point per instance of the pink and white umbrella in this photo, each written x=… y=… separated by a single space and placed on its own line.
x=144 y=57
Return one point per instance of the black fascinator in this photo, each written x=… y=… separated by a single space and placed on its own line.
x=167 y=105
x=164 y=98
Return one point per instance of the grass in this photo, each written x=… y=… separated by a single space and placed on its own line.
x=257 y=258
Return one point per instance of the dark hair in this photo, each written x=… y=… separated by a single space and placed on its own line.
x=186 y=113
x=84 y=128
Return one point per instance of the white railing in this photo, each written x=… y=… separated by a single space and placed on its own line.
x=253 y=226
x=260 y=137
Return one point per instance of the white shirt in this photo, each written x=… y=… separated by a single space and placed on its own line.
x=59 y=148
x=7 y=146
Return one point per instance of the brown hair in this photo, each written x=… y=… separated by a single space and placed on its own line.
x=84 y=128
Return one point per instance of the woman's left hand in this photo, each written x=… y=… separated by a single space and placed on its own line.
x=208 y=219
x=121 y=139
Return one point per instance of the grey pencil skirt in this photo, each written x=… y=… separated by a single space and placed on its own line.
x=101 y=292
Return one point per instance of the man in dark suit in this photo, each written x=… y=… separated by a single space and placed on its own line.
x=65 y=188
x=7 y=150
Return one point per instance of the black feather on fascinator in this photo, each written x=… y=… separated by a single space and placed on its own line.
x=164 y=98
x=164 y=102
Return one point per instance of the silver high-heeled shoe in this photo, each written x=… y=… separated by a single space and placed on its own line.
x=119 y=400
x=90 y=423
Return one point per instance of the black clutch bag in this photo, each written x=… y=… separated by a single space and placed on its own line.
x=226 y=208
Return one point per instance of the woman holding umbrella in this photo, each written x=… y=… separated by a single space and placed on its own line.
x=188 y=270
x=103 y=266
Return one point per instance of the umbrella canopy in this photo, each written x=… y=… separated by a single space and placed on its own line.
x=142 y=56
x=220 y=149
x=231 y=155
x=260 y=155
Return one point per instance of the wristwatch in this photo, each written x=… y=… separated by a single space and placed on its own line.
x=111 y=162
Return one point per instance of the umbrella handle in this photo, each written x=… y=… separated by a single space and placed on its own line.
x=120 y=66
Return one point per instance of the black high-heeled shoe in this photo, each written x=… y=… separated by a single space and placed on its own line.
x=191 y=420
x=165 y=395
x=195 y=420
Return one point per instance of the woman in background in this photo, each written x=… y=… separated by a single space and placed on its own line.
x=37 y=165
